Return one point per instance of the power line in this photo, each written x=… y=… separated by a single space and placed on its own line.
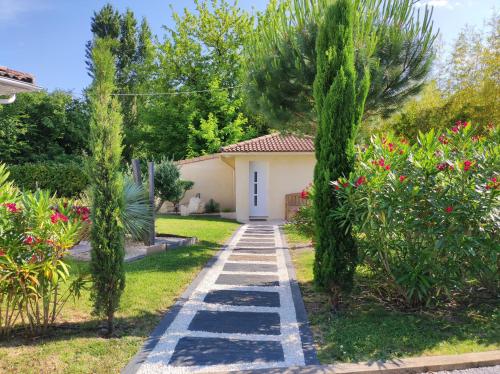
x=171 y=93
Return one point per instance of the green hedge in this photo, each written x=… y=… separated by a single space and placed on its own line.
x=65 y=179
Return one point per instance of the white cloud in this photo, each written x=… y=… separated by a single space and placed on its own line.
x=12 y=10
x=449 y=4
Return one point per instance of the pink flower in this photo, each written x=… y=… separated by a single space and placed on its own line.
x=442 y=139
x=11 y=207
x=402 y=178
x=467 y=165
x=29 y=240
x=360 y=181
x=56 y=217
x=2 y=253
x=391 y=147
x=304 y=194
x=381 y=162
x=448 y=209
x=387 y=167
x=455 y=129
x=441 y=166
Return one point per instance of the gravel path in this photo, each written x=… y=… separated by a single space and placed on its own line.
x=245 y=312
x=486 y=370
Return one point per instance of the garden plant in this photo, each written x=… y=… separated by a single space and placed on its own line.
x=426 y=216
x=36 y=231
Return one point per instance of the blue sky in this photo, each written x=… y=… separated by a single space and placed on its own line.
x=47 y=37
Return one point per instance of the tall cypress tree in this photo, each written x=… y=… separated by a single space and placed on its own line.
x=107 y=235
x=339 y=103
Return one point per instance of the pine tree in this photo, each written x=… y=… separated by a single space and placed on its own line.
x=339 y=104
x=103 y=24
x=107 y=235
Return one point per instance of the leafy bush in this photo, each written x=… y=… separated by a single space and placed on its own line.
x=168 y=185
x=427 y=215
x=212 y=206
x=303 y=219
x=64 y=179
x=35 y=233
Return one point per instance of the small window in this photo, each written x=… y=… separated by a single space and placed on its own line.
x=255 y=188
x=255 y=201
x=255 y=176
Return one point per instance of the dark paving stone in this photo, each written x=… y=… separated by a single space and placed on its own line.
x=266 y=251
x=236 y=322
x=253 y=240
x=248 y=280
x=251 y=268
x=243 y=298
x=254 y=244
x=192 y=351
x=252 y=258
x=258 y=236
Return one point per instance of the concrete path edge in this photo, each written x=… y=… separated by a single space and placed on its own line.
x=134 y=364
x=400 y=366
x=306 y=335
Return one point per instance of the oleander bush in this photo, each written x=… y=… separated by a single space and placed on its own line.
x=66 y=179
x=36 y=231
x=426 y=216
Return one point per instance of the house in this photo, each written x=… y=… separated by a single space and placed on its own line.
x=13 y=82
x=253 y=178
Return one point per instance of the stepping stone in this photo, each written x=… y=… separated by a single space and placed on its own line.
x=248 y=280
x=266 y=251
x=236 y=322
x=243 y=298
x=191 y=351
x=253 y=240
x=250 y=268
x=253 y=244
x=251 y=258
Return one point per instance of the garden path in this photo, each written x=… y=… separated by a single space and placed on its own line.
x=244 y=311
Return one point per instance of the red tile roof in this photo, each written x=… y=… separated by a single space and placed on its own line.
x=273 y=143
x=16 y=75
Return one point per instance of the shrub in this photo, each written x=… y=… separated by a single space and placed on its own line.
x=212 y=206
x=303 y=219
x=35 y=233
x=64 y=179
x=168 y=185
x=427 y=215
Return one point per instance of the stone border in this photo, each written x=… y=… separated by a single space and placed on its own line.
x=150 y=343
x=306 y=335
x=399 y=366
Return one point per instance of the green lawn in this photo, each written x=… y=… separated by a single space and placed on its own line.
x=367 y=330
x=153 y=284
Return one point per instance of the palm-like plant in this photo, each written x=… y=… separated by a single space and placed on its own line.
x=138 y=212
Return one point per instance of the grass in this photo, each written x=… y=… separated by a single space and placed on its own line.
x=295 y=238
x=153 y=284
x=368 y=330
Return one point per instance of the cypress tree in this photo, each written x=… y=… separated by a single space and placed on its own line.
x=339 y=101
x=107 y=235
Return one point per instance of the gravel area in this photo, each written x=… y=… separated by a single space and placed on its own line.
x=485 y=370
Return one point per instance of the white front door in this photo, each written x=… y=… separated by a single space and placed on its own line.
x=258 y=189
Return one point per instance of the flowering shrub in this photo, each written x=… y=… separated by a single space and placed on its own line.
x=303 y=219
x=36 y=230
x=427 y=215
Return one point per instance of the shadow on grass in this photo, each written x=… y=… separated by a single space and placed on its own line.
x=366 y=331
x=161 y=275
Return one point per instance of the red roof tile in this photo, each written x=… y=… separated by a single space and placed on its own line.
x=16 y=75
x=273 y=143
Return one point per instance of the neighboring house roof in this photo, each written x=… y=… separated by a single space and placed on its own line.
x=273 y=143
x=13 y=82
x=16 y=75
